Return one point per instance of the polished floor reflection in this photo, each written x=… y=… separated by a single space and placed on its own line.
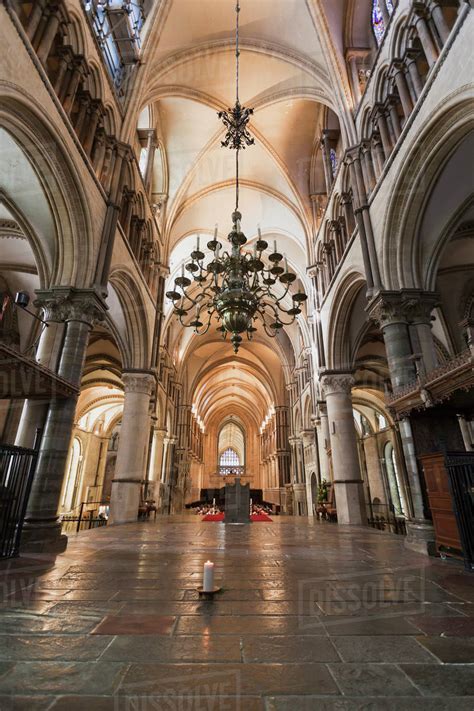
x=311 y=616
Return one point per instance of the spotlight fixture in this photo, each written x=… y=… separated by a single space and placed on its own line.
x=22 y=299
x=235 y=286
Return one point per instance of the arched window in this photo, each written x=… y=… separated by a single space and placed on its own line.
x=229 y=458
x=378 y=22
x=73 y=477
x=333 y=159
x=396 y=491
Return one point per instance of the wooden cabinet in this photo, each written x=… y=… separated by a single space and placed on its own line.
x=441 y=503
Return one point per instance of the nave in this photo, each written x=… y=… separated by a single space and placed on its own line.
x=310 y=616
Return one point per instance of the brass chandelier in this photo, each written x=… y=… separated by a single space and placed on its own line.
x=235 y=286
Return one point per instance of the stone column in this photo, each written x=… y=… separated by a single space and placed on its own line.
x=309 y=449
x=324 y=441
x=386 y=309
x=411 y=56
x=374 y=271
x=347 y=477
x=78 y=71
x=133 y=445
x=34 y=18
x=64 y=58
x=368 y=165
x=78 y=308
x=47 y=37
x=326 y=148
x=419 y=306
x=402 y=86
x=378 y=153
x=391 y=310
x=394 y=125
x=421 y=24
x=346 y=202
x=294 y=459
x=151 y=147
x=360 y=199
x=88 y=135
x=34 y=411
x=381 y=124
x=157 y=454
x=466 y=433
x=408 y=445
x=439 y=21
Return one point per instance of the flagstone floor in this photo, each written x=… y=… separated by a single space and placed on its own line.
x=311 y=616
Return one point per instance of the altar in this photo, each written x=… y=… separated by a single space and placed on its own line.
x=237 y=502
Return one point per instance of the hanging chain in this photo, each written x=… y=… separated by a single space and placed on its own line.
x=235 y=120
x=237 y=51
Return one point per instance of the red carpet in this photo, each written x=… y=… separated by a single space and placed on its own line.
x=214 y=517
x=263 y=517
x=255 y=518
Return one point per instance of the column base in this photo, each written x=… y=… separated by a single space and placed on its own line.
x=124 y=501
x=40 y=538
x=420 y=537
x=349 y=503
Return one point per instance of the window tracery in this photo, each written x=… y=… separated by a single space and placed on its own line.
x=229 y=458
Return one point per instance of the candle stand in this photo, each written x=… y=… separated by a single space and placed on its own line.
x=208 y=594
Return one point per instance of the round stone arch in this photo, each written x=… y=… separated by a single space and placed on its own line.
x=401 y=239
x=68 y=255
x=132 y=319
x=340 y=352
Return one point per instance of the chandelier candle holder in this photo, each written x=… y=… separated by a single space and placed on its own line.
x=235 y=286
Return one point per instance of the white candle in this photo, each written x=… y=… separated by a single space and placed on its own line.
x=213 y=502
x=208 y=577
x=215 y=232
x=259 y=232
x=274 y=246
x=197 y=244
x=286 y=263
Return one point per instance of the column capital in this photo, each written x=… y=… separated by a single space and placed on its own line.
x=337 y=382
x=136 y=381
x=64 y=303
x=406 y=305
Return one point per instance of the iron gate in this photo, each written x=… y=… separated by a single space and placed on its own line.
x=17 y=468
x=460 y=467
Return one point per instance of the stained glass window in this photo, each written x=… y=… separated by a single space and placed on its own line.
x=378 y=22
x=333 y=159
x=229 y=458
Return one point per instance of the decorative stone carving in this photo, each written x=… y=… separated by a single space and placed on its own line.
x=335 y=382
x=62 y=303
x=138 y=382
x=406 y=305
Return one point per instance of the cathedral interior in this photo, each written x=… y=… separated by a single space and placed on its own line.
x=236 y=250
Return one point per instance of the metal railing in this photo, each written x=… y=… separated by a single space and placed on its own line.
x=17 y=469
x=84 y=520
x=397 y=524
x=460 y=468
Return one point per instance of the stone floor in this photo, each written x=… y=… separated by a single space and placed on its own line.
x=311 y=616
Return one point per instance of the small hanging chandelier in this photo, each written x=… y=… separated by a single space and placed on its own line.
x=235 y=286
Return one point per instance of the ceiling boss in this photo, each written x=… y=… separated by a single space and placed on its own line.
x=235 y=286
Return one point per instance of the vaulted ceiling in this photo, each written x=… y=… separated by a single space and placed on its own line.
x=291 y=74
